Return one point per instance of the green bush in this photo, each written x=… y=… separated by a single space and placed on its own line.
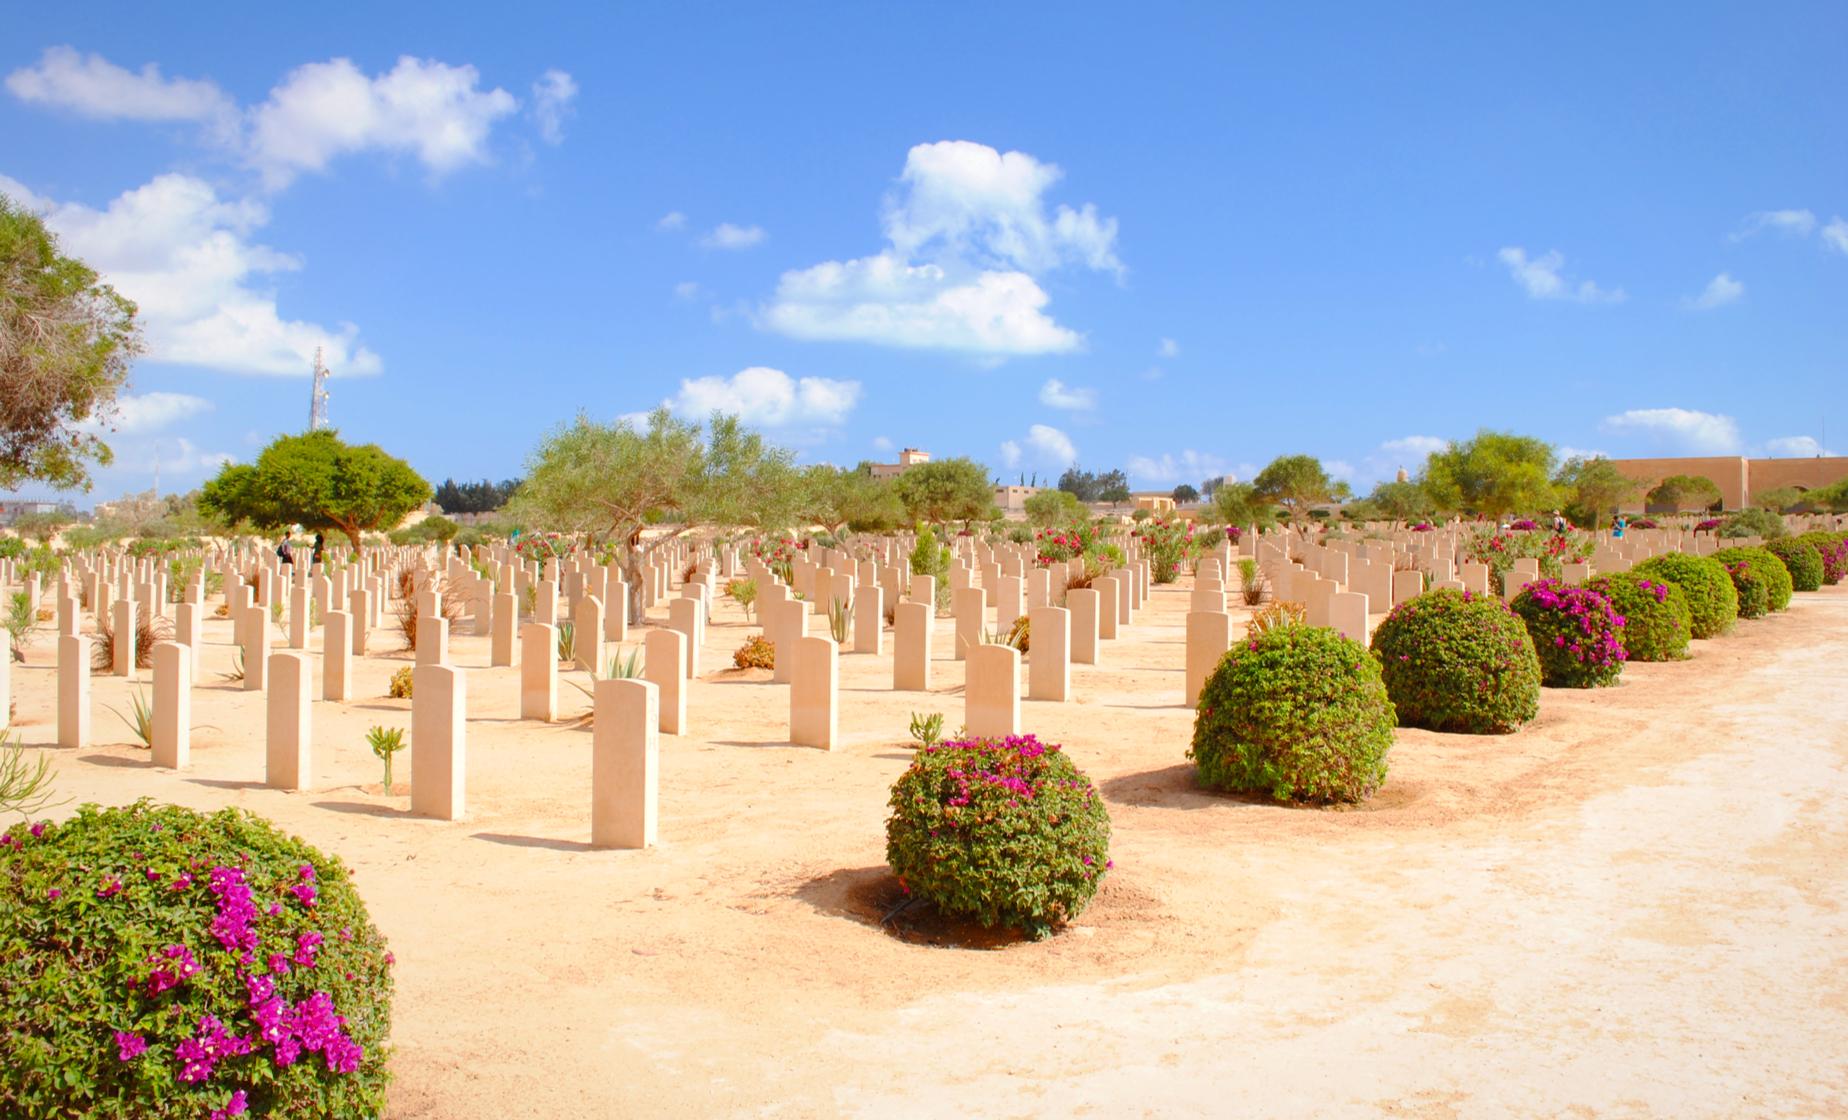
x=1455 y=661
x=1801 y=559
x=1297 y=712
x=157 y=962
x=1008 y=832
x=1713 y=602
x=1576 y=632
x=1753 y=523
x=1833 y=548
x=1656 y=621
x=1757 y=565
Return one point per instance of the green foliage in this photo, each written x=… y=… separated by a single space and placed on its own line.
x=742 y=592
x=1753 y=523
x=564 y=640
x=1239 y=503
x=1251 y=581
x=400 y=688
x=12 y=548
x=1008 y=832
x=1832 y=498
x=1184 y=493
x=67 y=341
x=1763 y=583
x=1657 y=622
x=1169 y=542
x=1683 y=493
x=945 y=490
x=433 y=529
x=25 y=787
x=385 y=742
x=927 y=730
x=1295 y=712
x=1803 y=560
x=1577 y=634
x=1095 y=486
x=1593 y=489
x=1455 y=661
x=1294 y=482
x=1400 y=501
x=1833 y=548
x=41 y=527
x=1780 y=499
x=140 y=718
x=20 y=622
x=124 y=933
x=928 y=558
x=1491 y=475
x=474 y=497
x=1052 y=509
x=317 y=481
x=1713 y=602
x=842 y=500
x=840 y=619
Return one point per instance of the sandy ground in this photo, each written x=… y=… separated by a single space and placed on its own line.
x=1632 y=908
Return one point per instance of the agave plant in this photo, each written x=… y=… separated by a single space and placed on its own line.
x=927 y=729
x=142 y=721
x=840 y=618
x=566 y=645
x=1252 y=584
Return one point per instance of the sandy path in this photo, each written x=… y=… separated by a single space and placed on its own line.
x=1635 y=907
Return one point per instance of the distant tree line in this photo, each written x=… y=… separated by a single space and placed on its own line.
x=475 y=497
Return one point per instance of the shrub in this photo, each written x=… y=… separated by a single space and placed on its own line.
x=755 y=653
x=1656 y=621
x=1577 y=634
x=1801 y=559
x=1275 y=615
x=1008 y=832
x=1754 y=568
x=1752 y=523
x=1454 y=661
x=1296 y=712
x=927 y=729
x=165 y=963
x=1713 y=602
x=149 y=628
x=1833 y=548
x=401 y=684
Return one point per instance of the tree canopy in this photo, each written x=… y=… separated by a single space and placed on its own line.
x=1683 y=493
x=1185 y=492
x=1491 y=475
x=1295 y=482
x=1089 y=486
x=1593 y=488
x=318 y=481
x=66 y=342
x=1239 y=503
x=1400 y=501
x=1050 y=509
x=946 y=490
x=843 y=500
x=475 y=497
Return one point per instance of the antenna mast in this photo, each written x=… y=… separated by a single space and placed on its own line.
x=317 y=404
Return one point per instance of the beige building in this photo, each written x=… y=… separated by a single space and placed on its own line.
x=1155 y=501
x=908 y=458
x=1013 y=499
x=1738 y=478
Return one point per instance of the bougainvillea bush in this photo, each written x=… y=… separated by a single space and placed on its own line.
x=1833 y=547
x=1656 y=621
x=1457 y=661
x=1298 y=713
x=1008 y=832
x=1500 y=550
x=1576 y=632
x=157 y=962
x=1757 y=565
x=1713 y=603
x=1802 y=559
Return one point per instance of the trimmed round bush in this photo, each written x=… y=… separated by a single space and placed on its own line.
x=1801 y=559
x=158 y=962
x=1576 y=632
x=1008 y=832
x=1755 y=565
x=1833 y=548
x=1713 y=601
x=1298 y=713
x=1656 y=621
x=1455 y=661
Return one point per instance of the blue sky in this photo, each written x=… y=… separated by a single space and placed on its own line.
x=1181 y=242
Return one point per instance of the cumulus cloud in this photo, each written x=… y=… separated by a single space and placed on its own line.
x=687 y=289
x=1835 y=235
x=1683 y=429
x=150 y=412
x=670 y=221
x=1796 y=447
x=1567 y=453
x=882 y=443
x=1057 y=394
x=1051 y=445
x=432 y=110
x=1543 y=277
x=92 y=86
x=1167 y=348
x=1189 y=466
x=1010 y=453
x=768 y=398
x=1720 y=291
x=186 y=257
x=553 y=94
x=729 y=236
x=968 y=233
x=1796 y=222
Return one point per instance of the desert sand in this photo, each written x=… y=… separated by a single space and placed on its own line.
x=1634 y=907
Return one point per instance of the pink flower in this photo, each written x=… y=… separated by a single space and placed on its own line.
x=129 y=1046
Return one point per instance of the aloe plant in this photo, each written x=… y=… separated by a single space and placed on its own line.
x=927 y=729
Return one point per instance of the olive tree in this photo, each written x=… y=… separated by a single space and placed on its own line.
x=946 y=490
x=1295 y=482
x=320 y=482
x=1491 y=475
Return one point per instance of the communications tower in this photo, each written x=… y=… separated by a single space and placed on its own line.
x=317 y=404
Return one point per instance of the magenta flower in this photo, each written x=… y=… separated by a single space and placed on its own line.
x=129 y=1046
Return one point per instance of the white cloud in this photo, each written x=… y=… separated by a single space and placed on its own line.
x=1167 y=348
x=553 y=94
x=968 y=232
x=1051 y=445
x=1566 y=453
x=1340 y=469
x=92 y=86
x=687 y=289
x=769 y=398
x=1542 y=278
x=1414 y=448
x=1796 y=447
x=1796 y=222
x=186 y=258
x=1057 y=394
x=882 y=443
x=672 y=220
x=1680 y=428
x=1189 y=466
x=728 y=236
x=322 y=110
x=1010 y=453
x=1835 y=235
x=1720 y=291
x=148 y=412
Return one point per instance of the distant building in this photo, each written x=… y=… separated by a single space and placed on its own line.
x=1155 y=501
x=12 y=509
x=908 y=458
x=1739 y=479
x=1013 y=499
